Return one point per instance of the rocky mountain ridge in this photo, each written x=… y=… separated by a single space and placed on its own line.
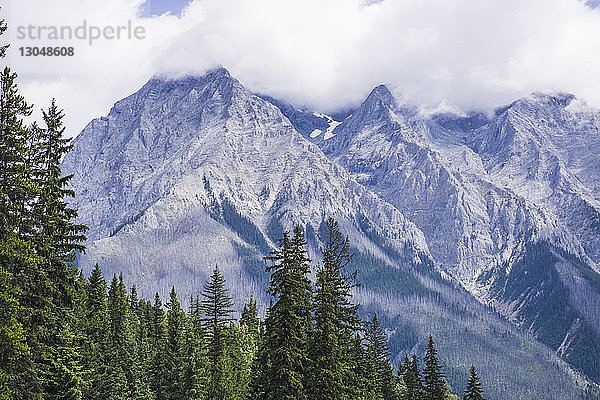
x=187 y=173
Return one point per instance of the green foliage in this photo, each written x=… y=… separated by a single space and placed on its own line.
x=13 y=347
x=413 y=382
x=549 y=311
x=435 y=381
x=336 y=320
x=63 y=336
x=382 y=384
x=174 y=349
x=216 y=307
x=474 y=390
x=195 y=358
x=38 y=238
x=250 y=318
x=283 y=359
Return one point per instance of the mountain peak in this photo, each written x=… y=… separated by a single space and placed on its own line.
x=539 y=99
x=381 y=94
x=218 y=72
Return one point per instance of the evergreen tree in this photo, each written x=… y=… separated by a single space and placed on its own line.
x=259 y=381
x=435 y=381
x=377 y=352
x=25 y=287
x=474 y=390
x=157 y=336
x=14 y=351
x=284 y=362
x=250 y=317
x=118 y=360
x=195 y=372
x=13 y=346
x=38 y=241
x=95 y=332
x=139 y=388
x=238 y=361
x=17 y=190
x=216 y=307
x=360 y=368
x=412 y=379
x=174 y=347
x=400 y=378
x=336 y=320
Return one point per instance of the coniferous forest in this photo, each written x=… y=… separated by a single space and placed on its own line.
x=67 y=336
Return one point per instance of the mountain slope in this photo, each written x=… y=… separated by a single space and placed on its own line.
x=177 y=156
x=191 y=172
x=486 y=198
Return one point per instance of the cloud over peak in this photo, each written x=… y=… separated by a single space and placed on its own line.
x=329 y=54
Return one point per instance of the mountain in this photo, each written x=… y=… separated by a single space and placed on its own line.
x=508 y=206
x=187 y=173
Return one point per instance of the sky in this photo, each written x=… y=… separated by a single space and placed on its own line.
x=444 y=55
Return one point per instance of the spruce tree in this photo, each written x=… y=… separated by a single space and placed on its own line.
x=14 y=351
x=174 y=347
x=249 y=317
x=283 y=358
x=25 y=287
x=137 y=346
x=195 y=372
x=216 y=307
x=17 y=191
x=474 y=390
x=157 y=336
x=412 y=379
x=336 y=320
x=118 y=361
x=400 y=378
x=377 y=352
x=259 y=381
x=13 y=346
x=95 y=333
x=57 y=226
x=435 y=381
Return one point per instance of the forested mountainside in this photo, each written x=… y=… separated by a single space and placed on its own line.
x=508 y=205
x=192 y=172
x=65 y=336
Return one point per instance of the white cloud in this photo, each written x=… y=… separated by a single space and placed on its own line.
x=327 y=54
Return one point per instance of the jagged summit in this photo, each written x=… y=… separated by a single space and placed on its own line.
x=534 y=100
x=382 y=94
x=192 y=171
x=378 y=102
x=213 y=74
x=189 y=88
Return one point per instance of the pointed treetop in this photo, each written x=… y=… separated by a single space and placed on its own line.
x=474 y=390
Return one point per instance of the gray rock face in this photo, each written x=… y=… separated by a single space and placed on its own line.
x=189 y=173
x=184 y=174
x=484 y=197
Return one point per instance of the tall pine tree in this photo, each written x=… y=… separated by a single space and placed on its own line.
x=174 y=347
x=474 y=390
x=435 y=381
x=195 y=374
x=380 y=371
x=216 y=307
x=284 y=361
x=336 y=320
x=157 y=336
x=413 y=380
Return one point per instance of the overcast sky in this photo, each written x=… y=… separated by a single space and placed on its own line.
x=324 y=54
